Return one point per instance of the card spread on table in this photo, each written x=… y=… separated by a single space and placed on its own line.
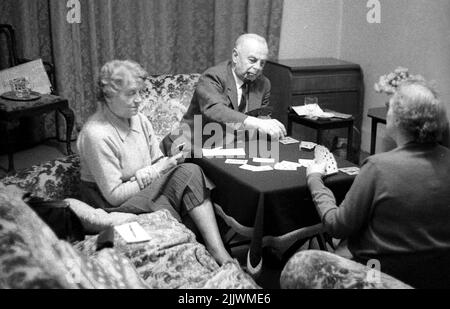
x=287 y=166
x=254 y=168
x=353 y=170
x=132 y=232
x=236 y=161
x=322 y=154
x=288 y=140
x=307 y=145
x=264 y=160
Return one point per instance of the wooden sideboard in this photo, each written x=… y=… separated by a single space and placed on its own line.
x=332 y=83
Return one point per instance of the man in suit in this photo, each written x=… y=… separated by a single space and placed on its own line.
x=234 y=94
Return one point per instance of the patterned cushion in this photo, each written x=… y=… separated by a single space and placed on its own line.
x=166 y=99
x=106 y=269
x=55 y=179
x=230 y=276
x=173 y=258
x=96 y=220
x=324 y=270
x=31 y=256
x=24 y=254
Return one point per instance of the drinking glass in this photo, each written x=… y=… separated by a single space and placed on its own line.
x=21 y=87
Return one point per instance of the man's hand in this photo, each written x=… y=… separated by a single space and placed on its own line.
x=271 y=127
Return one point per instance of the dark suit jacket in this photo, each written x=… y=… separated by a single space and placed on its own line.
x=215 y=98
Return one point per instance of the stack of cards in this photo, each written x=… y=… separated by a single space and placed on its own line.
x=322 y=154
x=350 y=170
x=307 y=145
x=288 y=140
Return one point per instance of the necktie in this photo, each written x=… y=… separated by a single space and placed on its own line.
x=244 y=96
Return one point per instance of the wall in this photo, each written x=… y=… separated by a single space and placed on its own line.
x=412 y=33
x=309 y=28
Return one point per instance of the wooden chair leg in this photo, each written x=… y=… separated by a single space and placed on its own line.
x=329 y=240
x=322 y=242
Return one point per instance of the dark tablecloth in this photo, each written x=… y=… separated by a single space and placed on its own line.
x=272 y=202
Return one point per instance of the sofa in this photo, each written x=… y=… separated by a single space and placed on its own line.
x=31 y=256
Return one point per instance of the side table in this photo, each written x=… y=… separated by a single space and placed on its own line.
x=378 y=115
x=321 y=124
x=13 y=110
x=331 y=83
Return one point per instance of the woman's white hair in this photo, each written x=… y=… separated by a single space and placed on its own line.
x=116 y=75
x=419 y=111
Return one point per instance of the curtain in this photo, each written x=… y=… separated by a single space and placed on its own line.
x=30 y=20
x=164 y=36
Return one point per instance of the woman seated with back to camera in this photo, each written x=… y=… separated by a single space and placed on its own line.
x=123 y=169
x=398 y=208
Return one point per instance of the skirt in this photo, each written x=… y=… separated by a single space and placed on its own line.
x=180 y=190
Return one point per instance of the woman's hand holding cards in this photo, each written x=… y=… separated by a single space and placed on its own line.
x=318 y=166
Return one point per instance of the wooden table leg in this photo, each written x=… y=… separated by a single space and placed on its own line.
x=70 y=119
x=319 y=137
x=289 y=127
x=9 y=148
x=58 y=138
x=373 y=136
x=254 y=254
x=350 y=143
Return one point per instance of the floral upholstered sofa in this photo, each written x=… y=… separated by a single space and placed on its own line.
x=32 y=256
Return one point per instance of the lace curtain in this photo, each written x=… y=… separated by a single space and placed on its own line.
x=165 y=36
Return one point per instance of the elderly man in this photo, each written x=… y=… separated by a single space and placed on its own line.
x=233 y=93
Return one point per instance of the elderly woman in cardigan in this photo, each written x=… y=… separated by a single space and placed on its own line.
x=123 y=169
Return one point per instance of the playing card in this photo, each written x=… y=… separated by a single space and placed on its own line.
x=264 y=160
x=254 y=168
x=248 y=167
x=288 y=140
x=322 y=154
x=287 y=166
x=353 y=170
x=132 y=232
x=263 y=168
x=307 y=145
x=235 y=161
